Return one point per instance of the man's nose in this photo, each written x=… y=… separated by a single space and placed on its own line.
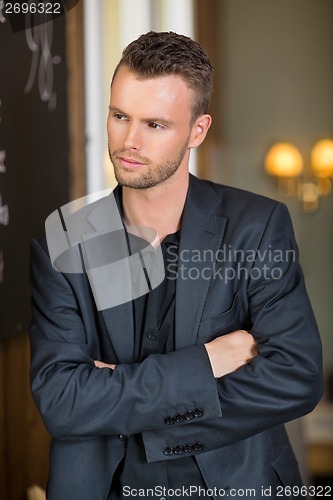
x=133 y=139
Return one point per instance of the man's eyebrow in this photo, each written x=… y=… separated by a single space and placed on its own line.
x=162 y=121
x=116 y=110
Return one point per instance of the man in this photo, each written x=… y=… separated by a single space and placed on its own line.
x=183 y=391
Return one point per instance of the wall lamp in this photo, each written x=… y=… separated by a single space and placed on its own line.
x=285 y=163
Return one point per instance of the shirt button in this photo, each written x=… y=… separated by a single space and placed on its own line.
x=169 y=420
x=198 y=412
x=168 y=451
x=197 y=447
x=188 y=415
x=151 y=335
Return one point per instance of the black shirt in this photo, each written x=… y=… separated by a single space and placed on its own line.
x=154 y=317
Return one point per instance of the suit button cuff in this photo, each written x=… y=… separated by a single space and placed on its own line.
x=188 y=415
x=169 y=420
x=178 y=450
x=197 y=447
x=198 y=412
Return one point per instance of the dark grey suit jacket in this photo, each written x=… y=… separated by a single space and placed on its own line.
x=239 y=270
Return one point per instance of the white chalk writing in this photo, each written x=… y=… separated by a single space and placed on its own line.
x=4 y=213
x=2 y=6
x=2 y=161
x=39 y=39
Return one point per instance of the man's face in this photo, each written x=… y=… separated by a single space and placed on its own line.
x=149 y=127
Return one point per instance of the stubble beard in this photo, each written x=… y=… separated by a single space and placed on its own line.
x=152 y=175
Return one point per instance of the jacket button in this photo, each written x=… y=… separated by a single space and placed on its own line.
x=123 y=437
x=187 y=448
x=178 y=450
x=168 y=451
x=188 y=415
x=179 y=418
x=197 y=447
x=169 y=420
x=151 y=335
x=198 y=412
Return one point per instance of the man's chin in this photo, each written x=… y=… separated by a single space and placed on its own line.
x=135 y=183
x=144 y=179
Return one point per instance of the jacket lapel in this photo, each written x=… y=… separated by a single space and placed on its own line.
x=119 y=319
x=119 y=323
x=202 y=231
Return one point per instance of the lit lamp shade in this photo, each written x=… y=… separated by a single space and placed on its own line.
x=322 y=158
x=284 y=160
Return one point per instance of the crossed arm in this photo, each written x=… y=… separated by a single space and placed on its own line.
x=226 y=353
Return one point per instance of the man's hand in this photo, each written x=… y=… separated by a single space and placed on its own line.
x=231 y=351
x=100 y=364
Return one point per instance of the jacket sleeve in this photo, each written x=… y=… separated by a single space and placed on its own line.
x=77 y=400
x=285 y=380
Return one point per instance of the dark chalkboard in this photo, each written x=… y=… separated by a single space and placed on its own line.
x=34 y=152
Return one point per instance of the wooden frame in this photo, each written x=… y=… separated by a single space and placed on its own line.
x=207 y=27
x=74 y=35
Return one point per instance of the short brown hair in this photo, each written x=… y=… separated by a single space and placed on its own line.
x=166 y=53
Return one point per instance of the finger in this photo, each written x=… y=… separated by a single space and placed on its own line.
x=100 y=364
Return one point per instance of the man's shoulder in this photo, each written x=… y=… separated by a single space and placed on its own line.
x=236 y=198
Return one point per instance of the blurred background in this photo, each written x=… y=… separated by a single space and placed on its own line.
x=272 y=134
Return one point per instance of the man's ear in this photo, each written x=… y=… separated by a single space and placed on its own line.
x=199 y=130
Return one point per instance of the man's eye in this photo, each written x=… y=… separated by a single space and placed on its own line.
x=155 y=126
x=119 y=116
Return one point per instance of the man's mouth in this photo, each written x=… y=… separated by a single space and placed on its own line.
x=130 y=162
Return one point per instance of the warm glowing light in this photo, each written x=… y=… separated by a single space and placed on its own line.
x=322 y=158
x=284 y=160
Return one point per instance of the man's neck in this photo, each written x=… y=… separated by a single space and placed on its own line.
x=159 y=207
